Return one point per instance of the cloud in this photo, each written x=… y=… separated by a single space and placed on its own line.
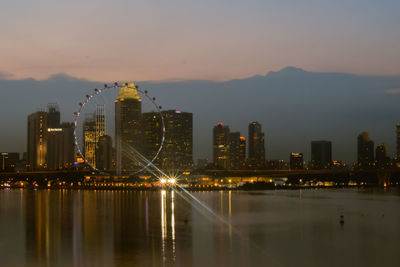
x=393 y=91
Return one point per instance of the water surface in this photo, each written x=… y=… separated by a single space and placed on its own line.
x=263 y=228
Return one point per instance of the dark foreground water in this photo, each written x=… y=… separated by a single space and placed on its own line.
x=266 y=228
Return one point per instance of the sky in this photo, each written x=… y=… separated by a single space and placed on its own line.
x=104 y=40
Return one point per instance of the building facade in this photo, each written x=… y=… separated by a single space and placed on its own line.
x=256 y=146
x=104 y=153
x=365 y=151
x=177 y=152
x=128 y=129
x=60 y=147
x=398 y=142
x=296 y=161
x=221 y=146
x=36 y=143
x=381 y=158
x=321 y=154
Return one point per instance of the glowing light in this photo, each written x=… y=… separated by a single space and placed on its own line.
x=163 y=180
x=172 y=180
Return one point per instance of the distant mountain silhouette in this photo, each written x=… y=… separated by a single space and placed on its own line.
x=294 y=107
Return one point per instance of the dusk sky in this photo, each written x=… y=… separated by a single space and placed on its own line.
x=176 y=39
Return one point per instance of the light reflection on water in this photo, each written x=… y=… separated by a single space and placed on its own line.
x=266 y=228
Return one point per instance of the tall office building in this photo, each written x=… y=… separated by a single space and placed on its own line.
x=221 y=146
x=128 y=129
x=104 y=153
x=381 y=157
x=256 y=146
x=60 y=147
x=53 y=115
x=321 y=154
x=398 y=141
x=296 y=161
x=152 y=134
x=365 y=151
x=94 y=127
x=37 y=145
x=177 y=153
x=242 y=152
x=100 y=121
x=235 y=151
x=90 y=140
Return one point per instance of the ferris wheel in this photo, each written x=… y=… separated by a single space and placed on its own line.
x=96 y=119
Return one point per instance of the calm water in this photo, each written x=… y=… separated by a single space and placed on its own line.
x=266 y=228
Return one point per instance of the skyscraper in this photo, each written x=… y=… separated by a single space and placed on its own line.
x=90 y=140
x=256 y=146
x=296 y=161
x=381 y=158
x=53 y=115
x=104 y=153
x=220 y=146
x=37 y=145
x=152 y=134
x=128 y=130
x=235 y=151
x=321 y=154
x=365 y=151
x=177 y=153
x=93 y=129
x=60 y=147
x=242 y=152
x=398 y=141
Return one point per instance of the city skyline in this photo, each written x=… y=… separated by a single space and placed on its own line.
x=283 y=101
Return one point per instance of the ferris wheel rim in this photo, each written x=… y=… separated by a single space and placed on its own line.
x=107 y=87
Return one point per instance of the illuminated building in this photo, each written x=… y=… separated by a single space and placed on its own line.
x=152 y=133
x=256 y=146
x=89 y=140
x=93 y=129
x=36 y=145
x=128 y=129
x=296 y=161
x=100 y=120
x=60 y=147
x=104 y=153
x=8 y=161
x=53 y=115
x=237 y=151
x=365 y=151
x=242 y=152
x=398 y=141
x=177 y=151
x=321 y=154
x=221 y=146
x=382 y=160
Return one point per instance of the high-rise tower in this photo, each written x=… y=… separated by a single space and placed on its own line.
x=321 y=154
x=221 y=146
x=398 y=141
x=128 y=130
x=37 y=143
x=365 y=151
x=256 y=146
